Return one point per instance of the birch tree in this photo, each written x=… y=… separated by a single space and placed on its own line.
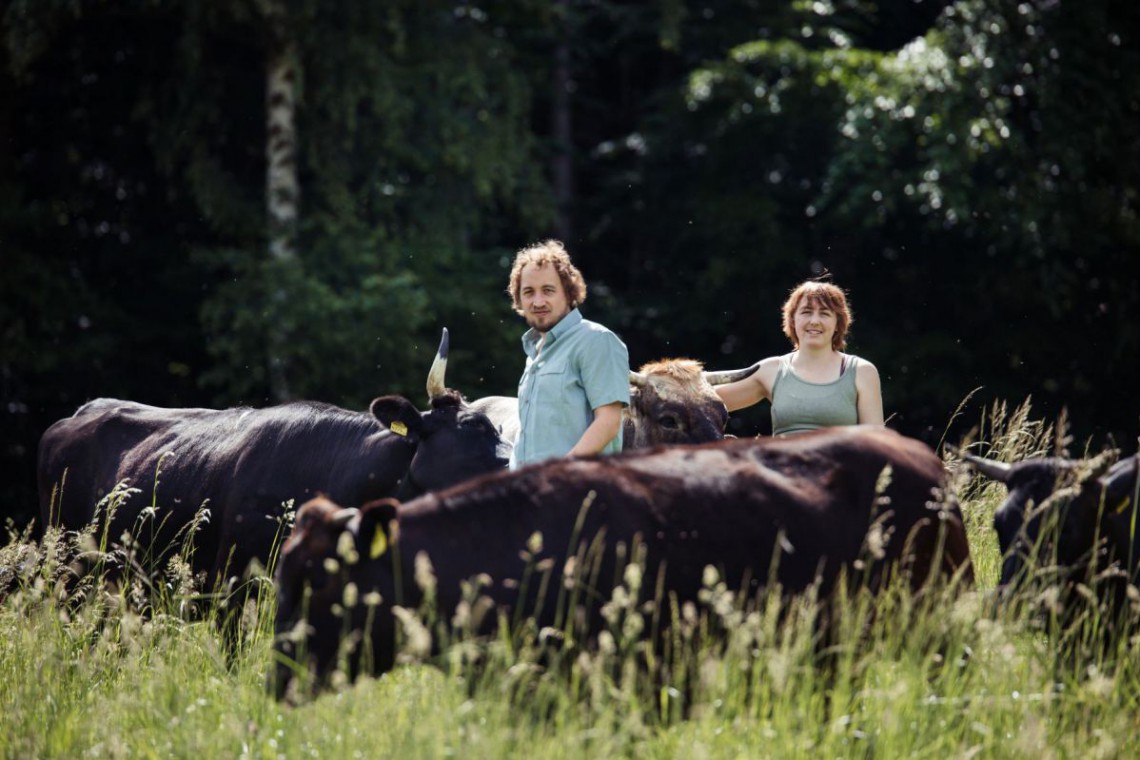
x=282 y=188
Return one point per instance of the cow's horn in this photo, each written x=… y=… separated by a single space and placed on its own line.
x=637 y=379
x=989 y=467
x=342 y=518
x=725 y=376
x=436 y=386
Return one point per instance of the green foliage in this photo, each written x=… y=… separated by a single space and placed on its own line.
x=985 y=147
x=403 y=154
x=957 y=183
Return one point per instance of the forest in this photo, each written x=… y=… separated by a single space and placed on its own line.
x=240 y=202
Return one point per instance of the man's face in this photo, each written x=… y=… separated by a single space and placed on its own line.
x=542 y=297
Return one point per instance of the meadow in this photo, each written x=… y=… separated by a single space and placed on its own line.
x=92 y=671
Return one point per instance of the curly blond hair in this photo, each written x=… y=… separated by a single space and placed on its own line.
x=550 y=252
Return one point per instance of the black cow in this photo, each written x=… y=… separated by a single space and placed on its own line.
x=243 y=464
x=813 y=498
x=1080 y=515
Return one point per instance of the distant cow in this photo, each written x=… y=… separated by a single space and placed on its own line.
x=671 y=401
x=1093 y=514
x=242 y=464
x=814 y=498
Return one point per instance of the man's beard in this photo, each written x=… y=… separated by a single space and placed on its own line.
x=544 y=321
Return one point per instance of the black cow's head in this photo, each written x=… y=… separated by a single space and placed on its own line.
x=335 y=585
x=1051 y=511
x=452 y=442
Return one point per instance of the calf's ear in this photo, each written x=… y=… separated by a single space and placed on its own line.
x=377 y=528
x=398 y=415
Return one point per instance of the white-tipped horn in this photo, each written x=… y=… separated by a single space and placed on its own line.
x=637 y=379
x=989 y=467
x=723 y=377
x=342 y=517
x=436 y=385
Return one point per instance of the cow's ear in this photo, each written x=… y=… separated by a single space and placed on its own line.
x=377 y=530
x=398 y=415
x=1120 y=485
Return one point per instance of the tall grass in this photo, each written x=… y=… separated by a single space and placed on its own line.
x=97 y=670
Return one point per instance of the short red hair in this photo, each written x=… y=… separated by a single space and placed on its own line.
x=827 y=295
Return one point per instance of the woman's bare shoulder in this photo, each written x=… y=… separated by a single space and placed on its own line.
x=766 y=374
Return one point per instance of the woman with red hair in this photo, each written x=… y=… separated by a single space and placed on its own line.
x=816 y=385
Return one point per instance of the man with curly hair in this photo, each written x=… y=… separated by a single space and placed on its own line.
x=576 y=379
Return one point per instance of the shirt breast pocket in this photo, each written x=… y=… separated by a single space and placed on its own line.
x=549 y=377
x=552 y=395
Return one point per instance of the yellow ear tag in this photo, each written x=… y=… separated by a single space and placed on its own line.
x=398 y=428
x=379 y=544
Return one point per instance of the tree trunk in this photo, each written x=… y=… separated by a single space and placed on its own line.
x=282 y=197
x=563 y=168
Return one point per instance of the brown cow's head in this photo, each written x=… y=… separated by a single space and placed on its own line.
x=673 y=401
x=335 y=588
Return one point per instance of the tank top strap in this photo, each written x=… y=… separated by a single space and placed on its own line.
x=784 y=368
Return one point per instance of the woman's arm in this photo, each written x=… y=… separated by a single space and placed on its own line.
x=868 y=394
x=752 y=389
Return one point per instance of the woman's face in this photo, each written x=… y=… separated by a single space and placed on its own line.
x=815 y=324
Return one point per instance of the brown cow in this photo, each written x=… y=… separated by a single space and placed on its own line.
x=820 y=499
x=671 y=401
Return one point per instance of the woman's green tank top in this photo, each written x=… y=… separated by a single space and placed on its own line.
x=798 y=405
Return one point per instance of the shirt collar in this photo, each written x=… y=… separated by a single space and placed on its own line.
x=530 y=338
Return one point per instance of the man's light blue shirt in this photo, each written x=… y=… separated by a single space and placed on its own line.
x=580 y=367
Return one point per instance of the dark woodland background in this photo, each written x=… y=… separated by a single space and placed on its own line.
x=968 y=170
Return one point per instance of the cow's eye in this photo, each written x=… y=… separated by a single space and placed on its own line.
x=669 y=422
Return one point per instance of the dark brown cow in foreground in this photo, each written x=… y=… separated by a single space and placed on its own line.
x=730 y=505
x=1080 y=515
x=670 y=401
x=242 y=465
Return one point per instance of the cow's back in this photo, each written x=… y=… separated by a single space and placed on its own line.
x=82 y=457
x=800 y=505
x=240 y=464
